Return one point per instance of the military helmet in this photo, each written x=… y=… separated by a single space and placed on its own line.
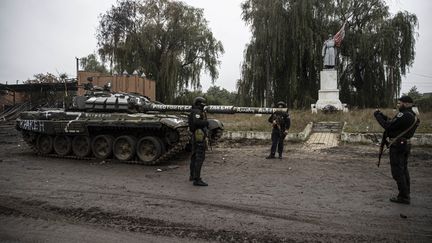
x=199 y=101
x=281 y=103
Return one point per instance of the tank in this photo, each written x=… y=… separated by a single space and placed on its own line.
x=122 y=126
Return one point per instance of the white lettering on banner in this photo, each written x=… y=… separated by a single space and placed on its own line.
x=170 y=107
x=96 y=115
x=32 y=125
x=220 y=108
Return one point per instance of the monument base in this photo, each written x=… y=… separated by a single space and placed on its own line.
x=329 y=93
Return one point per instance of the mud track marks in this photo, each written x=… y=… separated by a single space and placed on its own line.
x=16 y=207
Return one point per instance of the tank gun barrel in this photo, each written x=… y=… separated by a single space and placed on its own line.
x=161 y=107
x=215 y=109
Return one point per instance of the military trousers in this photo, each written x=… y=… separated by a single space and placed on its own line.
x=399 y=153
x=277 y=142
x=197 y=160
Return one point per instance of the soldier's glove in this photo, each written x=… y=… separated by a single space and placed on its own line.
x=377 y=112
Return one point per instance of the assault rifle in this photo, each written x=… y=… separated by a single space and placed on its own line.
x=384 y=142
x=207 y=134
x=279 y=120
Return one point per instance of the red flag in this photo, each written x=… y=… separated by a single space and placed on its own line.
x=339 y=36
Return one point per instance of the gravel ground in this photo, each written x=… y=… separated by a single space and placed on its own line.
x=335 y=194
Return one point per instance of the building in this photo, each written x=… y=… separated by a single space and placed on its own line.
x=119 y=83
x=427 y=95
x=51 y=94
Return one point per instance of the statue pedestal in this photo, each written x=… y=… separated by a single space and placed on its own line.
x=328 y=93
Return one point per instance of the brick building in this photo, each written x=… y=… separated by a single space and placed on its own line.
x=52 y=93
x=119 y=83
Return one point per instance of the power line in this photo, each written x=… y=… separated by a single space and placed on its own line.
x=417 y=82
x=422 y=75
x=414 y=84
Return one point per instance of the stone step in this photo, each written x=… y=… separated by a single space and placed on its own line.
x=327 y=127
x=321 y=140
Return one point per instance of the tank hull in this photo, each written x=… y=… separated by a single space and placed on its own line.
x=133 y=138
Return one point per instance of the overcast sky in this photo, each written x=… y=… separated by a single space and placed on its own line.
x=39 y=36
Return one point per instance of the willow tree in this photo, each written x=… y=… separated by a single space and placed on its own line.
x=283 y=59
x=92 y=64
x=377 y=51
x=167 y=40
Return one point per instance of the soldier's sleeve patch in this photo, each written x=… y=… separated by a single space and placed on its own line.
x=399 y=115
x=197 y=116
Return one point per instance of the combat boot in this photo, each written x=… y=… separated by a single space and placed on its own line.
x=280 y=156
x=199 y=182
x=270 y=157
x=401 y=200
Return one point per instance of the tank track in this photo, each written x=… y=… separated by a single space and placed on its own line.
x=179 y=146
x=184 y=136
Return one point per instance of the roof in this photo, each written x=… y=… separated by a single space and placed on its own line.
x=73 y=86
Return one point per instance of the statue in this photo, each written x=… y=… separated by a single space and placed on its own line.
x=329 y=52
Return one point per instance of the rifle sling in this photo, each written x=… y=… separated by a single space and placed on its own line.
x=403 y=133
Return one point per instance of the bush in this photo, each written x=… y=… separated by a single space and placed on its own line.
x=424 y=104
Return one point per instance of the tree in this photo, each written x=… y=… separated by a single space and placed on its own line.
x=378 y=51
x=216 y=95
x=283 y=59
x=46 y=78
x=414 y=94
x=168 y=40
x=92 y=64
x=186 y=97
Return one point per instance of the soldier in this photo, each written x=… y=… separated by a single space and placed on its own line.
x=198 y=126
x=399 y=130
x=281 y=123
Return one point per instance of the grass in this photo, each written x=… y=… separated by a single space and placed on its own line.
x=358 y=121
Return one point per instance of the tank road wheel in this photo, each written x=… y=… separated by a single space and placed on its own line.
x=62 y=145
x=149 y=149
x=81 y=146
x=45 y=144
x=124 y=148
x=102 y=146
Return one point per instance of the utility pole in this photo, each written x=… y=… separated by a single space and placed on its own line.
x=77 y=66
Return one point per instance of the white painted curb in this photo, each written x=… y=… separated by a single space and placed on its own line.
x=294 y=137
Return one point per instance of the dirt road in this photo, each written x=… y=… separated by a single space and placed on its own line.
x=334 y=194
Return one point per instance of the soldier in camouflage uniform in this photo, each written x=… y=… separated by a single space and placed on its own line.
x=281 y=123
x=198 y=125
